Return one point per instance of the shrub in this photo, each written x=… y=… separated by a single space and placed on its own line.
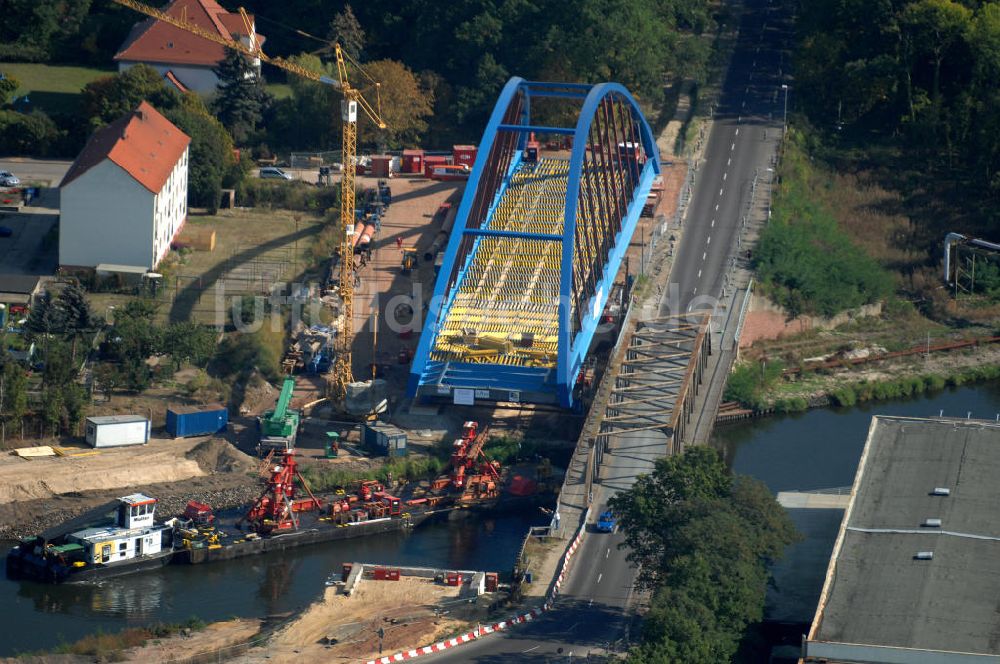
x=804 y=260
x=844 y=396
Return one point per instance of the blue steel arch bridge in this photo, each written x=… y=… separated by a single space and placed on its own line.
x=536 y=246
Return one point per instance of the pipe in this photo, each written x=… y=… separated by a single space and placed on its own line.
x=442 y=236
x=949 y=240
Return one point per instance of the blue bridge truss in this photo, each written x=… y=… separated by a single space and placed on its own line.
x=537 y=243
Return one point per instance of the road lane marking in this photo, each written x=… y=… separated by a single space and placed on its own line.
x=732 y=147
x=608 y=553
x=599 y=577
x=533 y=647
x=724 y=175
x=716 y=207
x=729 y=161
x=703 y=255
x=737 y=131
x=699 y=274
x=720 y=191
x=713 y=223
x=694 y=292
x=709 y=240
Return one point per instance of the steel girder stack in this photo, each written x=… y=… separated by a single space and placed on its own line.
x=536 y=246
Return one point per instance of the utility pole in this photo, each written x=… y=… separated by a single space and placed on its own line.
x=784 y=117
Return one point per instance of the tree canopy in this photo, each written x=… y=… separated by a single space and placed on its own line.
x=702 y=539
x=241 y=99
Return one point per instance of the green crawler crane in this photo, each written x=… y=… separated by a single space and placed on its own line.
x=278 y=427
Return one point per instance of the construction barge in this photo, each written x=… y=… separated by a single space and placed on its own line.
x=287 y=514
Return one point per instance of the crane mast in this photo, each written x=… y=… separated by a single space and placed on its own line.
x=342 y=372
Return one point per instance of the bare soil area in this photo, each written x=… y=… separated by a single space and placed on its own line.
x=40 y=493
x=339 y=628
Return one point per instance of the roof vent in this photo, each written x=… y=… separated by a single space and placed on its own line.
x=941 y=491
x=932 y=523
x=924 y=555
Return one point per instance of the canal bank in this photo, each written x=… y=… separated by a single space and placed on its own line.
x=820 y=448
x=41 y=616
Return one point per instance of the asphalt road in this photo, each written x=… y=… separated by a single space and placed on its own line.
x=594 y=612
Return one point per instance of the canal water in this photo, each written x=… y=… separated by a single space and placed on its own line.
x=820 y=448
x=37 y=616
x=812 y=450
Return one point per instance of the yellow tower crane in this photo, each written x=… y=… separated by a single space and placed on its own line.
x=353 y=99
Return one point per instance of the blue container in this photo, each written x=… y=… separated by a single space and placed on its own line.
x=196 y=421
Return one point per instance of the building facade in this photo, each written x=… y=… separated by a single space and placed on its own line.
x=184 y=59
x=124 y=199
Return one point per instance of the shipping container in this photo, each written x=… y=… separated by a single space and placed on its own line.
x=185 y=421
x=117 y=430
x=381 y=166
x=463 y=154
x=413 y=161
x=385 y=439
x=430 y=161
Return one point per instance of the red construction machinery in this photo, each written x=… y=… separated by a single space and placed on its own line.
x=471 y=472
x=276 y=507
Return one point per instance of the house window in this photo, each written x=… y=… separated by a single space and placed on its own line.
x=124 y=545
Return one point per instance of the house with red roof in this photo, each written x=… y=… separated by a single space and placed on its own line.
x=124 y=199
x=185 y=59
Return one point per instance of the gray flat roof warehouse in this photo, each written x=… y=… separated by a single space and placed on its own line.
x=915 y=572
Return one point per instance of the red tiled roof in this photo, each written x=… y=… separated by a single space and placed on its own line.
x=156 y=41
x=176 y=83
x=143 y=143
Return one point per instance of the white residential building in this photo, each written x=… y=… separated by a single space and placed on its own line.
x=184 y=59
x=124 y=199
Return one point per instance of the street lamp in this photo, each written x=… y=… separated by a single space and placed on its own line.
x=784 y=117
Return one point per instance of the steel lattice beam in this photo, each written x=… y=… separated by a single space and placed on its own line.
x=519 y=296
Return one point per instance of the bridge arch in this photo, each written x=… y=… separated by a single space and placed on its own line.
x=536 y=246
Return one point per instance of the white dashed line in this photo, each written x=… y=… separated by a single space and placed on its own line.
x=737 y=131
x=608 y=553
x=709 y=241
x=720 y=191
x=599 y=577
x=732 y=147
x=724 y=175
x=713 y=223
x=716 y=207
x=730 y=161
x=703 y=255
x=536 y=647
x=699 y=274
x=694 y=292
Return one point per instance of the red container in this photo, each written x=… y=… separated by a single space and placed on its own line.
x=431 y=161
x=392 y=575
x=413 y=161
x=382 y=166
x=492 y=582
x=380 y=574
x=453 y=579
x=464 y=154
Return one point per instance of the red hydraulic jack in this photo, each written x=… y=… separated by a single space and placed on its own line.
x=275 y=509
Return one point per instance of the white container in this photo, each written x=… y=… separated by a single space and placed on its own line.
x=117 y=430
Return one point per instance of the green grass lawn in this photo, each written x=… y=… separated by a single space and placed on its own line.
x=280 y=90
x=51 y=88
